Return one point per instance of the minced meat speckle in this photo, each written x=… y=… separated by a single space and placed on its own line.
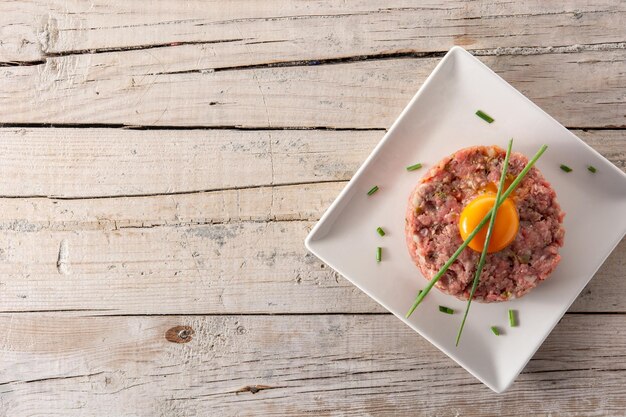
x=432 y=232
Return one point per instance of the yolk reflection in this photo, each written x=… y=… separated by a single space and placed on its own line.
x=493 y=188
x=505 y=227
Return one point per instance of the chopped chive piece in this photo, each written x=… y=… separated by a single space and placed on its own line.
x=380 y=231
x=484 y=116
x=591 y=168
x=446 y=310
x=483 y=255
x=512 y=321
x=379 y=254
x=566 y=168
x=495 y=330
x=477 y=229
x=373 y=190
x=414 y=167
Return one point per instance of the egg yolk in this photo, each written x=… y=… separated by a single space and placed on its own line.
x=504 y=229
x=493 y=188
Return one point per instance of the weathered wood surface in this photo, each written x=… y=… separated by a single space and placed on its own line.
x=192 y=239
x=319 y=365
x=248 y=33
x=162 y=87
x=112 y=239
x=73 y=163
x=86 y=163
x=245 y=267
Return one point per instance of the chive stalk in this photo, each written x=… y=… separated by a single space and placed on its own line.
x=512 y=321
x=484 y=116
x=483 y=255
x=592 y=169
x=372 y=190
x=380 y=231
x=566 y=168
x=495 y=330
x=477 y=229
x=379 y=254
x=413 y=167
x=446 y=310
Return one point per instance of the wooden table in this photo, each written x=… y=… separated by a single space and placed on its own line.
x=162 y=162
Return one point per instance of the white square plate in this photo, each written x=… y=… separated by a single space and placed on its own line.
x=438 y=121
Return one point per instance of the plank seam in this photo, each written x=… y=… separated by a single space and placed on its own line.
x=518 y=50
x=230 y=127
x=212 y=190
x=302 y=314
x=180 y=127
x=515 y=50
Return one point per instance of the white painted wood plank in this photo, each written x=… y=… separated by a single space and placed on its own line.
x=258 y=204
x=248 y=33
x=116 y=162
x=236 y=267
x=238 y=248
x=75 y=163
x=161 y=87
x=235 y=250
x=243 y=267
x=318 y=365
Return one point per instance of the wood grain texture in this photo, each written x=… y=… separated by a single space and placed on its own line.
x=158 y=87
x=84 y=163
x=290 y=366
x=248 y=33
x=163 y=237
x=244 y=267
x=162 y=272
x=71 y=163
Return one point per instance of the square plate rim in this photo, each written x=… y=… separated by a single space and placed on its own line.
x=311 y=237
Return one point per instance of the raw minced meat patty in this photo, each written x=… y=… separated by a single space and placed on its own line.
x=432 y=231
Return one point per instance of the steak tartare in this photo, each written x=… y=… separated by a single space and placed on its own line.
x=432 y=225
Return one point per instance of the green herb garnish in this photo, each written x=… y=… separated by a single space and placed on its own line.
x=478 y=228
x=495 y=330
x=484 y=116
x=380 y=231
x=566 y=168
x=373 y=190
x=592 y=169
x=483 y=255
x=379 y=254
x=414 y=167
x=512 y=321
x=446 y=310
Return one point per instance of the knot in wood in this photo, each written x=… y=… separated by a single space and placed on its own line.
x=180 y=334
